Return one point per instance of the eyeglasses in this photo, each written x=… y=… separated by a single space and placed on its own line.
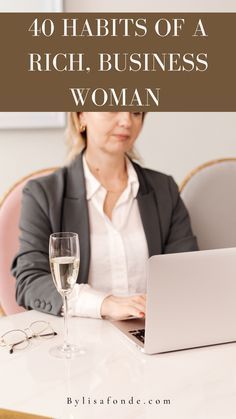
x=20 y=338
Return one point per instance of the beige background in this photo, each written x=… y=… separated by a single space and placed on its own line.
x=170 y=142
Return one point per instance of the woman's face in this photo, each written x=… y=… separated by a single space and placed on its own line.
x=112 y=132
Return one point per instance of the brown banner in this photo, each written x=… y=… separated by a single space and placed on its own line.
x=109 y=62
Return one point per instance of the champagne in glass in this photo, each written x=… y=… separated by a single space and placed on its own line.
x=65 y=271
x=64 y=257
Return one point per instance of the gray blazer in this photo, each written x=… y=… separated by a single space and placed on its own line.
x=58 y=203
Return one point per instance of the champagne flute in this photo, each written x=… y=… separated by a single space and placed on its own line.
x=64 y=257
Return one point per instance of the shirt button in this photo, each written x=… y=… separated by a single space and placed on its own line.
x=43 y=305
x=37 y=303
x=48 y=307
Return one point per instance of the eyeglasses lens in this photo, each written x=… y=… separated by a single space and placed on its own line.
x=16 y=339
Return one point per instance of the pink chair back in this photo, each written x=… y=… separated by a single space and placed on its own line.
x=208 y=193
x=9 y=235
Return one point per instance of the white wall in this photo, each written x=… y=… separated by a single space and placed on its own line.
x=24 y=151
x=170 y=142
x=176 y=143
x=150 y=5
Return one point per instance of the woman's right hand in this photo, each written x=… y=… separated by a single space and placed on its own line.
x=119 y=308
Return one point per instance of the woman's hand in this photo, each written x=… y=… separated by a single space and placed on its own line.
x=119 y=308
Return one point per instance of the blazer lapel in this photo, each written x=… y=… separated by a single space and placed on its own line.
x=75 y=214
x=151 y=222
x=149 y=212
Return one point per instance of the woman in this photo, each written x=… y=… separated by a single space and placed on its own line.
x=122 y=212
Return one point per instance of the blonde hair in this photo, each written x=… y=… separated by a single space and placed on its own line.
x=77 y=140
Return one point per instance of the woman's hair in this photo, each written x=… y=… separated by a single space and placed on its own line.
x=76 y=140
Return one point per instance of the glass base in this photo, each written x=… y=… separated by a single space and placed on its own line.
x=67 y=351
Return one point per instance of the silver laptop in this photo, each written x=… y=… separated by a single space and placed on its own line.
x=191 y=302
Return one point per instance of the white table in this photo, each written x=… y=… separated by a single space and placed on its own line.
x=200 y=383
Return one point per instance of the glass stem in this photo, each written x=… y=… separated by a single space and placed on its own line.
x=65 y=302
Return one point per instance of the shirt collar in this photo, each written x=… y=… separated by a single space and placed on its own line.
x=93 y=185
x=133 y=181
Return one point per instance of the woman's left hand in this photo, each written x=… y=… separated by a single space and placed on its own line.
x=119 y=308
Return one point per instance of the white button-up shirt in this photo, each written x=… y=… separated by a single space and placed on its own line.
x=118 y=247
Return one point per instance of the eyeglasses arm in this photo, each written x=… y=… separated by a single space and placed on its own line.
x=47 y=334
x=11 y=350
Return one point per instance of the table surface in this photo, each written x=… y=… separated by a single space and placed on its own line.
x=114 y=379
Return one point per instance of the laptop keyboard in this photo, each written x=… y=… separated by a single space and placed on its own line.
x=139 y=334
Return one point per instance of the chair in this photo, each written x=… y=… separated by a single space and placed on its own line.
x=9 y=233
x=209 y=193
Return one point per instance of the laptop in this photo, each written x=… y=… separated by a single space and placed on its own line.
x=191 y=302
